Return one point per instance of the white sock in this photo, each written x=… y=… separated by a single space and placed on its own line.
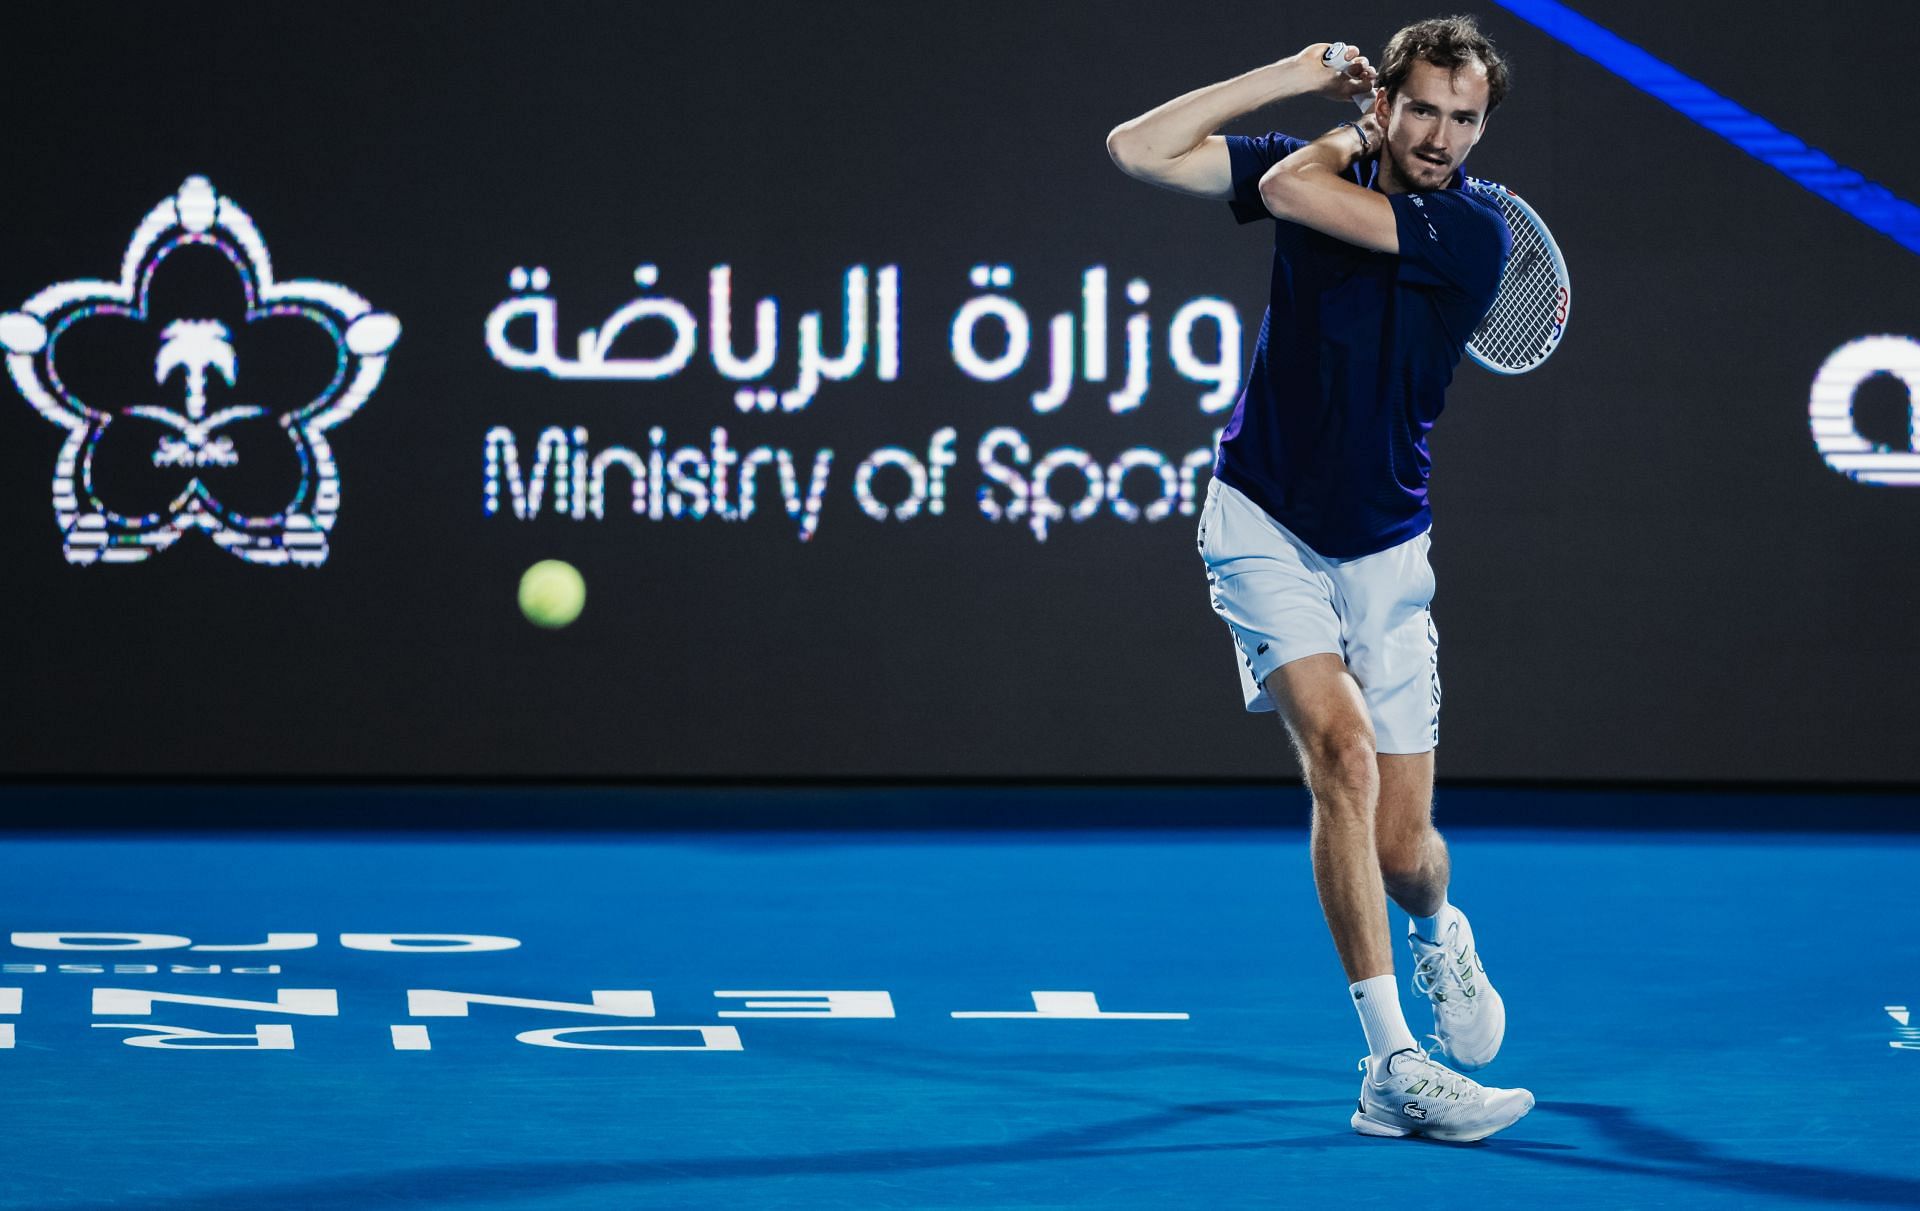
x=1429 y=928
x=1378 y=1001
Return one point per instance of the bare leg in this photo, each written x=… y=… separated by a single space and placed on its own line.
x=1414 y=863
x=1322 y=707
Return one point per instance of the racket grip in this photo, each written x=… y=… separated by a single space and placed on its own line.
x=1335 y=59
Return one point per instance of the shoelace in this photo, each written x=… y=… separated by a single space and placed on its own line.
x=1435 y=970
x=1442 y=1082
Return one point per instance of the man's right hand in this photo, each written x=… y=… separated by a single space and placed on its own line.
x=1355 y=78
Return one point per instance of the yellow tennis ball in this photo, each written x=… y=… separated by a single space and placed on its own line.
x=552 y=593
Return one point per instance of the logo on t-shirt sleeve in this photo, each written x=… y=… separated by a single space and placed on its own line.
x=1421 y=202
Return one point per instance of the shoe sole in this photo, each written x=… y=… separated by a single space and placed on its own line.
x=1378 y=1129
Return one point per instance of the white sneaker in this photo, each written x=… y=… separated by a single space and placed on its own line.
x=1469 y=1018
x=1417 y=1095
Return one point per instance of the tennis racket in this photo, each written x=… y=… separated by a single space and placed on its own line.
x=1529 y=313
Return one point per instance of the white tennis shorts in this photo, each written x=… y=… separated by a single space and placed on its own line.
x=1282 y=601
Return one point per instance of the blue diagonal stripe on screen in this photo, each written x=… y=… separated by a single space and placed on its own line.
x=1875 y=205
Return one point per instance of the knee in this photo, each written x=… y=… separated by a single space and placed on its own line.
x=1342 y=755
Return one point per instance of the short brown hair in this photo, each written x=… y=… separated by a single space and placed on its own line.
x=1447 y=42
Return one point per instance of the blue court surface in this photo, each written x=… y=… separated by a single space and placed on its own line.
x=1707 y=1019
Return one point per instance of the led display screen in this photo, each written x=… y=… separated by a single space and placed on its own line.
x=874 y=405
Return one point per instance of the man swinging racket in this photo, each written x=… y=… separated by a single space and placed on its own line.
x=1314 y=532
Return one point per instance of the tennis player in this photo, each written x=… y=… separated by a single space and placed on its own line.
x=1314 y=532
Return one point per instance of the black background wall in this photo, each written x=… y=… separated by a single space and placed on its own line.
x=1646 y=569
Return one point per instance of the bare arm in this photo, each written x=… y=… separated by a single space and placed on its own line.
x=1174 y=145
x=1310 y=187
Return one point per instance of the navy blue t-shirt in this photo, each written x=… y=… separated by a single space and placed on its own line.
x=1354 y=357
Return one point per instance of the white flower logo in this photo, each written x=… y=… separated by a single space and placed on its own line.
x=252 y=470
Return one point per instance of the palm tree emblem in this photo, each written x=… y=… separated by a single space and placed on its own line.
x=195 y=347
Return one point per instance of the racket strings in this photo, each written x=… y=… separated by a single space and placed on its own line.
x=1519 y=330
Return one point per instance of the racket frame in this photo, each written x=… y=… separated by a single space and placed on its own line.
x=1563 y=281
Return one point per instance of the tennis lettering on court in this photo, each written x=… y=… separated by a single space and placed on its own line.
x=512 y=1011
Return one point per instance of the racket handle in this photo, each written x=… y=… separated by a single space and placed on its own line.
x=1335 y=59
